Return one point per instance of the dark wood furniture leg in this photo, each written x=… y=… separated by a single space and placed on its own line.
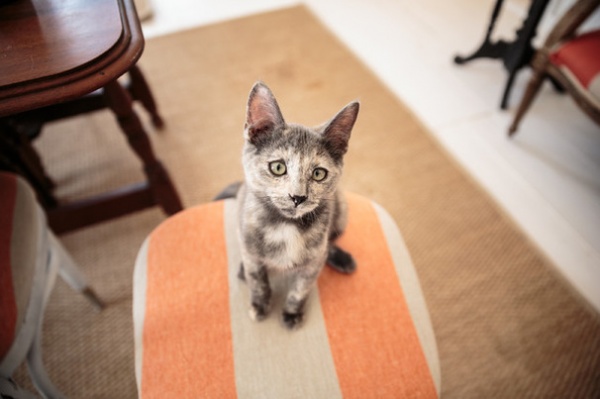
x=119 y=100
x=19 y=156
x=521 y=51
x=533 y=88
x=487 y=49
x=140 y=90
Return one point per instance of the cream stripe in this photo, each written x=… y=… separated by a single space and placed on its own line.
x=594 y=89
x=27 y=228
x=139 y=309
x=412 y=291
x=590 y=93
x=270 y=361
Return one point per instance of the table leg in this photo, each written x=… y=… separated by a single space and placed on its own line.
x=141 y=91
x=521 y=50
x=19 y=156
x=162 y=188
x=487 y=48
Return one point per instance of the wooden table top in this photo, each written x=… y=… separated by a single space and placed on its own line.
x=56 y=50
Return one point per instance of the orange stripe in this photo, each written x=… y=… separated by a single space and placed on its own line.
x=187 y=332
x=8 y=305
x=373 y=341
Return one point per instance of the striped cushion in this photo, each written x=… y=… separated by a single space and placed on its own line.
x=19 y=241
x=580 y=60
x=365 y=335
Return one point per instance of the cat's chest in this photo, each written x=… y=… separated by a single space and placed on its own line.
x=286 y=246
x=283 y=243
x=282 y=233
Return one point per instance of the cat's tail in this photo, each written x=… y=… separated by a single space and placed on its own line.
x=229 y=192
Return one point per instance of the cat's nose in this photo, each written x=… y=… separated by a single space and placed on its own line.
x=297 y=199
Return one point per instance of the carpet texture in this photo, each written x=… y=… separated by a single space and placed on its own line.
x=506 y=325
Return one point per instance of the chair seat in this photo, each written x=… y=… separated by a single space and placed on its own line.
x=21 y=235
x=367 y=334
x=579 y=59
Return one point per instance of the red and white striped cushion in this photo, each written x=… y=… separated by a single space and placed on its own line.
x=580 y=60
x=367 y=334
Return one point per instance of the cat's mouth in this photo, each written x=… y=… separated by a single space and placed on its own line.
x=293 y=212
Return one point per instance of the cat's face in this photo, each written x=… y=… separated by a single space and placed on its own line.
x=293 y=168
x=293 y=171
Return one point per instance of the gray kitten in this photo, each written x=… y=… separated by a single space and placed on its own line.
x=290 y=208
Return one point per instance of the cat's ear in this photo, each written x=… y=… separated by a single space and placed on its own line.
x=262 y=114
x=337 y=131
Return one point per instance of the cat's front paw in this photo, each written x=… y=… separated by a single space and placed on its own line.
x=258 y=312
x=292 y=320
x=340 y=260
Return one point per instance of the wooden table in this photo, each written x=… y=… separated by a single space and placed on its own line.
x=53 y=54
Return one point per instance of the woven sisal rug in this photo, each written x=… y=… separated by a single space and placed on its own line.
x=506 y=324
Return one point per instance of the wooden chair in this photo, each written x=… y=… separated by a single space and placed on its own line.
x=62 y=58
x=572 y=61
x=30 y=258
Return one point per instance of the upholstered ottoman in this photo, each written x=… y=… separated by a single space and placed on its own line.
x=365 y=335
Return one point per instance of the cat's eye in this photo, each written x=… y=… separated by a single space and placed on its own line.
x=277 y=168
x=319 y=174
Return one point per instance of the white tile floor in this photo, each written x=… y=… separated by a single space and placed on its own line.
x=547 y=179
